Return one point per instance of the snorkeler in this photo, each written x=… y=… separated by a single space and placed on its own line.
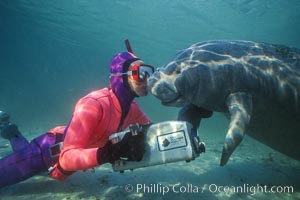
x=83 y=143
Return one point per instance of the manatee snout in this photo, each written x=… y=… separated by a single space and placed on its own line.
x=152 y=82
x=161 y=88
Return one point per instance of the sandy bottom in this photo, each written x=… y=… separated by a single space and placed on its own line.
x=254 y=172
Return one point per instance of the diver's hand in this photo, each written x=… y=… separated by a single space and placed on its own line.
x=131 y=148
x=136 y=129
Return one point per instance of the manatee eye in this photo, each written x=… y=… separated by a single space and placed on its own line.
x=177 y=70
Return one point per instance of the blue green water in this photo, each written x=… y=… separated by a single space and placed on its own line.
x=53 y=52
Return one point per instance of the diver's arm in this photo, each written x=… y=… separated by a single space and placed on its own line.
x=75 y=156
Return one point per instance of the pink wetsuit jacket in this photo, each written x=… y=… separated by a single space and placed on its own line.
x=96 y=117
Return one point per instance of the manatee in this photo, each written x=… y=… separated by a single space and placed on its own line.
x=256 y=85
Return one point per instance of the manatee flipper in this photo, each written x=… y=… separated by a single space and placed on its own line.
x=240 y=107
x=193 y=114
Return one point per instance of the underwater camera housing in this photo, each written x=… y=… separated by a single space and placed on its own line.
x=166 y=142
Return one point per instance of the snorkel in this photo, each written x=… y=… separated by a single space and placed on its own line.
x=128 y=46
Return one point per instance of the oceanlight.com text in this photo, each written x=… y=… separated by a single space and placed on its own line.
x=211 y=188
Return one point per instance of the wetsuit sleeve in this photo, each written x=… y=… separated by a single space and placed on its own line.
x=75 y=155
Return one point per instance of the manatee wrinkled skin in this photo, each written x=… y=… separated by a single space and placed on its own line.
x=257 y=85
